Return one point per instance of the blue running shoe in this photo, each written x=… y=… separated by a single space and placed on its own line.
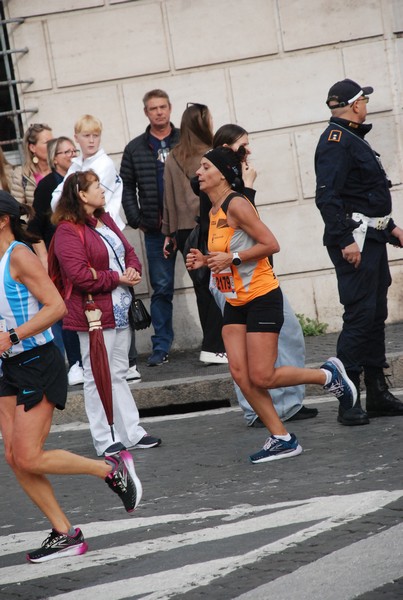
x=340 y=385
x=274 y=449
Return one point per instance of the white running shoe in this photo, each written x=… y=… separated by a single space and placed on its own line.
x=133 y=374
x=217 y=358
x=75 y=374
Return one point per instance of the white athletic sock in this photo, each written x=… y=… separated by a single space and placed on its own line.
x=328 y=376
x=286 y=437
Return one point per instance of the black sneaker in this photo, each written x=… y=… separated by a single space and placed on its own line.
x=148 y=441
x=304 y=413
x=58 y=545
x=157 y=358
x=123 y=479
x=114 y=449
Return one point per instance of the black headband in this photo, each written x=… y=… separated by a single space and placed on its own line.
x=225 y=160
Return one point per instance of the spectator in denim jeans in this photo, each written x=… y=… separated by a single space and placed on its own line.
x=142 y=172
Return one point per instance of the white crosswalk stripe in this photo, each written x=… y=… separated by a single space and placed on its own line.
x=310 y=518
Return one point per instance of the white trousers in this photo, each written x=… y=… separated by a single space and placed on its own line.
x=126 y=418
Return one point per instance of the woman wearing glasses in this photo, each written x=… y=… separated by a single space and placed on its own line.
x=181 y=208
x=35 y=167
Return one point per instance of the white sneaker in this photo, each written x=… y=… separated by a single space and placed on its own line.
x=75 y=374
x=218 y=358
x=133 y=375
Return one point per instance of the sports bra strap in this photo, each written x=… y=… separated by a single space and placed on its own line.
x=225 y=204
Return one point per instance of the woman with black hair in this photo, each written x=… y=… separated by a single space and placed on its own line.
x=34 y=383
x=239 y=244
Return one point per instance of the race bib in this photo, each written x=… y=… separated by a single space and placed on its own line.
x=224 y=282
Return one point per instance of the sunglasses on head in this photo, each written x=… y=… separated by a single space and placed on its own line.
x=201 y=107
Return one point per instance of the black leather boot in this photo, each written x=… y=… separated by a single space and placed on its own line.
x=380 y=401
x=355 y=415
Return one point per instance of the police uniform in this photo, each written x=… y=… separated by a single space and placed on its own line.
x=351 y=179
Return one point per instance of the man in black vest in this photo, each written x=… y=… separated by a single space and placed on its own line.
x=142 y=173
x=353 y=196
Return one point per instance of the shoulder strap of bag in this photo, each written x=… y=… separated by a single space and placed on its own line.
x=109 y=244
x=131 y=290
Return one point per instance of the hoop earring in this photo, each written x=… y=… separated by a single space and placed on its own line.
x=35 y=159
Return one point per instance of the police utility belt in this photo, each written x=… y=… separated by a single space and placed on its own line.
x=378 y=223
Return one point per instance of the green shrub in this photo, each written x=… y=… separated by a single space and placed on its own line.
x=311 y=326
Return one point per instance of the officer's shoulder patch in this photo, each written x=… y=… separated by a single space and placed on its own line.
x=334 y=135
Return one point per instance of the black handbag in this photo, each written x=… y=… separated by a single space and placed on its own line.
x=139 y=317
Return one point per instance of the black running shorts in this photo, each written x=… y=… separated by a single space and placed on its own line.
x=32 y=374
x=264 y=313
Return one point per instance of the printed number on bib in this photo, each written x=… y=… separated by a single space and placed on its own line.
x=225 y=283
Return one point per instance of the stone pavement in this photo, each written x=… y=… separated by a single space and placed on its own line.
x=326 y=525
x=185 y=380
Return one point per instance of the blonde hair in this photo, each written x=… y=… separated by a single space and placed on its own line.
x=89 y=124
x=31 y=137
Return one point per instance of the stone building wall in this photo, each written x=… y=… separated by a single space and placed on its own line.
x=265 y=64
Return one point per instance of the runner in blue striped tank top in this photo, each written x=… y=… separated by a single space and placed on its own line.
x=34 y=381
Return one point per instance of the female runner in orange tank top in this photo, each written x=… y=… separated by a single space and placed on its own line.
x=239 y=244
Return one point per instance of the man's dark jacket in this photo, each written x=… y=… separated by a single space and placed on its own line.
x=349 y=178
x=138 y=171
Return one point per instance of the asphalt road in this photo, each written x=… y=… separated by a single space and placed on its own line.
x=324 y=525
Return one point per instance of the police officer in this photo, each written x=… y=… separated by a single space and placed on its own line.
x=352 y=194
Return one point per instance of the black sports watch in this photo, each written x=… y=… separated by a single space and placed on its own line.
x=14 y=339
x=236 y=260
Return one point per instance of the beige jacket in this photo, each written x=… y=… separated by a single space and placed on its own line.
x=23 y=186
x=181 y=205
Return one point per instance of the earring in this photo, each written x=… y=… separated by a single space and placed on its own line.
x=35 y=159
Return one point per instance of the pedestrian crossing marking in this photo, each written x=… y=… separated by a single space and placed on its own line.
x=315 y=515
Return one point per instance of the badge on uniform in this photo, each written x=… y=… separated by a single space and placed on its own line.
x=334 y=136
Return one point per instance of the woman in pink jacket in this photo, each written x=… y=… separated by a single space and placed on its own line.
x=95 y=258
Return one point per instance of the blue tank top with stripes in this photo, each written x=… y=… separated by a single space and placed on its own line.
x=18 y=305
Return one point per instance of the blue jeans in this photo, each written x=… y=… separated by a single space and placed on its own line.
x=162 y=276
x=291 y=351
x=72 y=346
